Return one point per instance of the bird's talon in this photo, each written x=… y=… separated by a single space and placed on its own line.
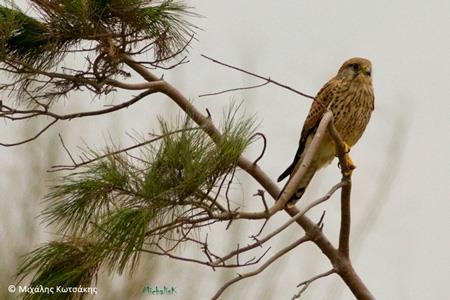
x=346 y=148
x=351 y=166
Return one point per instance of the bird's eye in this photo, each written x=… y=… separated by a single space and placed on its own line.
x=355 y=67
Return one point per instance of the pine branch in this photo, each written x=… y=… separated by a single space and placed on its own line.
x=63 y=264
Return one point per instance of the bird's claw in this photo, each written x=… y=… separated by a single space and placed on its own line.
x=346 y=148
x=348 y=161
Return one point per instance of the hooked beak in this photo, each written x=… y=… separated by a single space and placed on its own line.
x=367 y=70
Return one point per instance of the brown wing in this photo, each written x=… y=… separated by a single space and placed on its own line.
x=322 y=100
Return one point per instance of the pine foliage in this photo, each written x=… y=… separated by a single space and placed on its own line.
x=109 y=207
x=45 y=40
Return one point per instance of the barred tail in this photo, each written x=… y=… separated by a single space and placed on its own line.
x=302 y=186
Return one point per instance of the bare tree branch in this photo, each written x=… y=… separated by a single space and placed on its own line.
x=209 y=263
x=306 y=283
x=346 y=170
x=271 y=260
x=260 y=242
x=32 y=138
x=301 y=213
x=264 y=147
x=235 y=89
x=344 y=234
x=267 y=79
x=32 y=113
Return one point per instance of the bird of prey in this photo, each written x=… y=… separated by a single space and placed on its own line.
x=350 y=97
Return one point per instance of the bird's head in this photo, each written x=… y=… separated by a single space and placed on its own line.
x=356 y=67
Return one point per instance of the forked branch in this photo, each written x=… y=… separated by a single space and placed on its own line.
x=305 y=284
x=271 y=260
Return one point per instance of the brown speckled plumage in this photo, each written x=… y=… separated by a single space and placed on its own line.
x=350 y=96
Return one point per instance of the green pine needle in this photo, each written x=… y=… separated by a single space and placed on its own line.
x=64 y=264
x=121 y=234
x=175 y=171
x=44 y=42
x=117 y=200
x=85 y=196
x=23 y=38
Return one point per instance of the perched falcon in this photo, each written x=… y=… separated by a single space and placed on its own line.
x=350 y=96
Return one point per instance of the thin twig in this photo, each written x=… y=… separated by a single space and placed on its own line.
x=32 y=138
x=235 y=89
x=267 y=79
x=264 y=146
x=263 y=198
x=261 y=229
x=163 y=252
x=75 y=165
x=320 y=222
x=272 y=259
x=67 y=150
x=228 y=189
x=260 y=242
x=306 y=283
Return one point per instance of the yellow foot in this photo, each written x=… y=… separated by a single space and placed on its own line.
x=348 y=161
x=346 y=148
x=290 y=204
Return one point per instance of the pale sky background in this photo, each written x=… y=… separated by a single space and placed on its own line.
x=401 y=188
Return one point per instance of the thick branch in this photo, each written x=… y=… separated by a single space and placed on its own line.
x=344 y=234
x=341 y=264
